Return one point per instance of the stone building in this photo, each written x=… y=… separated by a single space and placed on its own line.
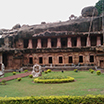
x=73 y=42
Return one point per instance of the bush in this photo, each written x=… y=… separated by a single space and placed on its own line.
x=75 y=70
x=3 y=82
x=98 y=72
x=14 y=73
x=68 y=79
x=49 y=70
x=52 y=77
x=92 y=71
x=89 y=99
x=25 y=71
x=31 y=76
x=45 y=72
x=19 y=79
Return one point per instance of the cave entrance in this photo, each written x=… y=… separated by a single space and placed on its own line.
x=101 y=40
x=93 y=40
x=83 y=41
x=74 y=41
x=91 y=58
x=102 y=63
x=54 y=42
x=44 y=42
x=34 y=43
x=5 y=59
x=63 y=42
x=26 y=43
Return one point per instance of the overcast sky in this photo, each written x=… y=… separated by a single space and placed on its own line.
x=33 y=12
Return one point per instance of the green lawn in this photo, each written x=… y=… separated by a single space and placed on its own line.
x=10 y=74
x=85 y=83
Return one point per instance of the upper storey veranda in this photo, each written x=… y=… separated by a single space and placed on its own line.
x=73 y=31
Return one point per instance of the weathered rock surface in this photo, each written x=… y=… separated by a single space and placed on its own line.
x=79 y=24
x=16 y=26
x=88 y=11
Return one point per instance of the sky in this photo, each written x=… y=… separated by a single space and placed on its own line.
x=32 y=12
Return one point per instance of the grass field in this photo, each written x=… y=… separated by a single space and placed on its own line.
x=10 y=74
x=85 y=83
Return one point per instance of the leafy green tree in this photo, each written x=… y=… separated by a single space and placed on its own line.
x=100 y=6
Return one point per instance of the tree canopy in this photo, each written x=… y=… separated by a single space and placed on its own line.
x=100 y=6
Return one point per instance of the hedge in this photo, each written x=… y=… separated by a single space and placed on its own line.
x=69 y=79
x=89 y=99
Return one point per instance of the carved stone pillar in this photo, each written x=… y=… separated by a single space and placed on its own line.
x=78 y=42
x=30 y=44
x=58 y=42
x=39 y=43
x=49 y=43
x=69 y=43
x=98 y=41
x=88 y=41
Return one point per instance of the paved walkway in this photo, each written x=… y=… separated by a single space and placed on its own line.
x=15 y=76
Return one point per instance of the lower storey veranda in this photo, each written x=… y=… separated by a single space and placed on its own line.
x=57 y=59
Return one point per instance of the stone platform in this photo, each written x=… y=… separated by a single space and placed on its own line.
x=60 y=68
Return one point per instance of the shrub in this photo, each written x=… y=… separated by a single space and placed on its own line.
x=75 y=70
x=68 y=79
x=25 y=71
x=45 y=72
x=49 y=70
x=52 y=77
x=31 y=76
x=3 y=82
x=19 y=79
x=98 y=72
x=88 y=99
x=92 y=71
x=14 y=73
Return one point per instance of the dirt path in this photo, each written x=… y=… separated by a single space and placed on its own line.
x=15 y=76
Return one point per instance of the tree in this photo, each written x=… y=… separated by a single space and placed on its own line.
x=100 y=6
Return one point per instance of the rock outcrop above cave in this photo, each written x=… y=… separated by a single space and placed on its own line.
x=16 y=26
x=78 y=24
x=89 y=11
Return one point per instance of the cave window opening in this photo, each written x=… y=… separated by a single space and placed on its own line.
x=70 y=59
x=80 y=58
x=40 y=60
x=50 y=60
x=60 y=60
x=91 y=58
x=30 y=60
